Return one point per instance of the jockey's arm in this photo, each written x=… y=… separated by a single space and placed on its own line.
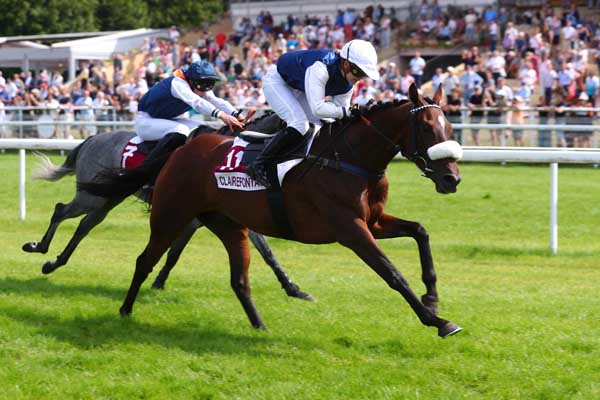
x=315 y=81
x=182 y=91
x=343 y=100
x=220 y=103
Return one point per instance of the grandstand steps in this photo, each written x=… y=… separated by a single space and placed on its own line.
x=135 y=58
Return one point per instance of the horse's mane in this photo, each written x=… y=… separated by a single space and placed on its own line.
x=385 y=105
x=380 y=105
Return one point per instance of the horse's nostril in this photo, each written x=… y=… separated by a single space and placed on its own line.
x=451 y=179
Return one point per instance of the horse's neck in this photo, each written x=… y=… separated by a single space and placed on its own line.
x=369 y=147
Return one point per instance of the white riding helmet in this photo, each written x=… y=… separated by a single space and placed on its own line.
x=363 y=55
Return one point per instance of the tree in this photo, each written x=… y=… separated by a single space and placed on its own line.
x=184 y=13
x=50 y=16
x=61 y=16
x=115 y=15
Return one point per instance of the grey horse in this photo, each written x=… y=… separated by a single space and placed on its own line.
x=99 y=153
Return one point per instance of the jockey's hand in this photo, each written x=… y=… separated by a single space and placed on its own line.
x=358 y=110
x=244 y=118
x=231 y=121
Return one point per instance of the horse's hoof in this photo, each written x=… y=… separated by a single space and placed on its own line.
x=125 y=311
x=300 y=295
x=293 y=290
x=48 y=268
x=448 y=330
x=33 y=247
x=158 y=285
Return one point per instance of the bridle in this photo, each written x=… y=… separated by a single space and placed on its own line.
x=423 y=161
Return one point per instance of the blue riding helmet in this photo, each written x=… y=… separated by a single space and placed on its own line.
x=201 y=75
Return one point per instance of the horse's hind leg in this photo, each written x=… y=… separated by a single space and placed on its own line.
x=235 y=240
x=388 y=226
x=265 y=251
x=174 y=253
x=61 y=212
x=88 y=222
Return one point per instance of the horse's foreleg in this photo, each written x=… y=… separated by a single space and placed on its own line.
x=174 y=253
x=165 y=227
x=360 y=240
x=235 y=240
x=388 y=226
x=265 y=251
x=61 y=212
x=154 y=250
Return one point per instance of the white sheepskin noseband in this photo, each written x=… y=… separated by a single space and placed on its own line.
x=447 y=149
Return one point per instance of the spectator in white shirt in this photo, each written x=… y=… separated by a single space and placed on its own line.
x=505 y=91
x=450 y=82
x=528 y=75
x=437 y=78
x=496 y=63
x=548 y=79
x=417 y=66
x=569 y=36
x=468 y=81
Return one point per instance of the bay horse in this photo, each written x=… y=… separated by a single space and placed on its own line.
x=101 y=152
x=342 y=201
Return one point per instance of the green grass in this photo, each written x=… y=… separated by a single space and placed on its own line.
x=531 y=320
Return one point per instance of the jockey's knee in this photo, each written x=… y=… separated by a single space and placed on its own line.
x=184 y=130
x=300 y=126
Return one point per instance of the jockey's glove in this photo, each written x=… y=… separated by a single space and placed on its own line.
x=358 y=110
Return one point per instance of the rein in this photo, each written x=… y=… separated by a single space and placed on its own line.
x=336 y=164
x=422 y=161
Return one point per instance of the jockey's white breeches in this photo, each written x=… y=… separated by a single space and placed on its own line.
x=290 y=104
x=149 y=128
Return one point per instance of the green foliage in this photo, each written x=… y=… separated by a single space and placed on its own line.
x=52 y=16
x=61 y=16
x=187 y=14
x=122 y=14
x=530 y=319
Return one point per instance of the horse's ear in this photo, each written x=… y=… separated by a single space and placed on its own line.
x=413 y=95
x=437 y=97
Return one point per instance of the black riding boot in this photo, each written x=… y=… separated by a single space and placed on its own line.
x=285 y=141
x=165 y=146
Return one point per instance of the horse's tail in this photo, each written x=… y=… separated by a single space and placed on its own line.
x=118 y=182
x=50 y=172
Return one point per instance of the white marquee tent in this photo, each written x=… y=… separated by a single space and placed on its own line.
x=27 y=53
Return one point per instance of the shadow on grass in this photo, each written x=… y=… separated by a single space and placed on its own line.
x=478 y=251
x=48 y=288
x=100 y=331
x=90 y=332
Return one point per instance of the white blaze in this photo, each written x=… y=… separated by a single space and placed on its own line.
x=442 y=122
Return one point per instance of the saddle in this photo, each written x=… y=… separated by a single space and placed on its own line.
x=231 y=173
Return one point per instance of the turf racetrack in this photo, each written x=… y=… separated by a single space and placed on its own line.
x=531 y=320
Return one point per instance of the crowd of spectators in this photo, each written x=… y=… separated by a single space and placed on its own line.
x=545 y=52
x=535 y=64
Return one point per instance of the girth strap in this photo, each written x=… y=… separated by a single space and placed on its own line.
x=276 y=203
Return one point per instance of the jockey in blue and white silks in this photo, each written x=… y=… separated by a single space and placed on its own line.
x=296 y=88
x=160 y=109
